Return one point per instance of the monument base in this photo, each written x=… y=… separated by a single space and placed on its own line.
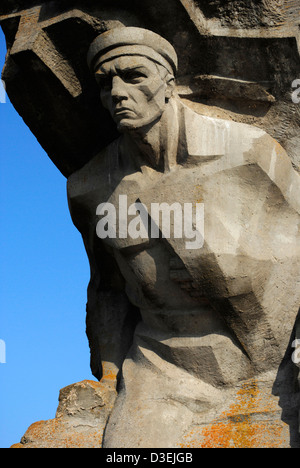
x=250 y=418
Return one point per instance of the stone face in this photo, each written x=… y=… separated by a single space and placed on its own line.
x=246 y=272
x=48 y=80
x=195 y=327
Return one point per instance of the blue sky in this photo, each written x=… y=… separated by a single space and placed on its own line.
x=44 y=274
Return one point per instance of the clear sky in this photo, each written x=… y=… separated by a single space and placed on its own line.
x=44 y=275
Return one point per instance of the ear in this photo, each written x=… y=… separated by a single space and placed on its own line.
x=170 y=86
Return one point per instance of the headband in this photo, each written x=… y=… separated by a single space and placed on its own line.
x=132 y=41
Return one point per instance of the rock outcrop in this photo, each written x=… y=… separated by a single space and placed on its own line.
x=80 y=419
x=198 y=341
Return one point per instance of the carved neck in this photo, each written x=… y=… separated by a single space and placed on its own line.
x=157 y=144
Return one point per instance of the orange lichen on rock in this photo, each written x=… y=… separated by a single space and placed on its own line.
x=250 y=422
x=55 y=433
x=80 y=418
x=109 y=375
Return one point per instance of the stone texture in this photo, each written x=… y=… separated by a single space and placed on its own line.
x=198 y=342
x=80 y=419
x=247 y=272
x=48 y=80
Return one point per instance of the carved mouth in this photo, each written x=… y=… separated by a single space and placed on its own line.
x=122 y=111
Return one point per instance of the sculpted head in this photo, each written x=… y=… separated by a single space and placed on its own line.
x=135 y=69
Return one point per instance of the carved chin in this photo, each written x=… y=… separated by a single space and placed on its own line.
x=127 y=124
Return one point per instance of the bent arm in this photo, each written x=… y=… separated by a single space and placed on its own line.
x=111 y=319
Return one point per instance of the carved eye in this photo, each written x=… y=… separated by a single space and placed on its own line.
x=133 y=76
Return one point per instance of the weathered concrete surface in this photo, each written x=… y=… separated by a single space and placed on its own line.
x=197 y=342
x=80 y=419
x=197 y=304
x=252 y=419
x=50 y=85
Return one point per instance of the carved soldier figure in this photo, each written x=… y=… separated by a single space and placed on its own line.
x=179 y=330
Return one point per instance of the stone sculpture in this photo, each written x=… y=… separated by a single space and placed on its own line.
x=215 y=318
x=193 y=333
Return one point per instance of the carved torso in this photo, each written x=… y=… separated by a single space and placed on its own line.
x=249 y=226
x=238 y=292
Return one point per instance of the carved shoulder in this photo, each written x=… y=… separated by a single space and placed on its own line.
x=91 y=181
x=234 y=144
x=88 y=177
x=272 y=158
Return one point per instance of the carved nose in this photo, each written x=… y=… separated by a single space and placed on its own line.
x=118 y=91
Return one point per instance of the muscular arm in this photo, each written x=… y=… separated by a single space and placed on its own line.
x=111 y=319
